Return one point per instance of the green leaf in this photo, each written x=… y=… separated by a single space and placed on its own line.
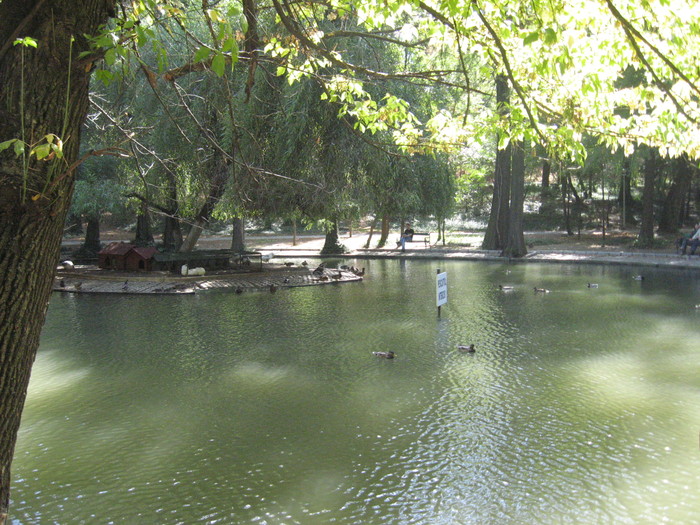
x=27 y=41
x=550 y=36
x=18 y=147
x=218 y=65
x=532 y=37
x=110 y=57
x=281 y=70
x=42 y=151
x=202 y=53
x=7 y=144
x=228 y=44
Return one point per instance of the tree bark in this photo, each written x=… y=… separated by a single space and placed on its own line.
x=332 y=244
x=672 y=212
x=646 y=231
x=35 y=197
x=172 y=233
x=515 y=243
x=385 y=231
x=624 y=197
x=238 y=237
x=216 y=190
x=92 y=236
x=144 y=235
x=371 y=232
x=497 y=229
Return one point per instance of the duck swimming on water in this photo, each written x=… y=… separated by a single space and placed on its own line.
x=386 y=355
x=466 y=348
x=541 y=290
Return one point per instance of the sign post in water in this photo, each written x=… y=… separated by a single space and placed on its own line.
x=441 y=289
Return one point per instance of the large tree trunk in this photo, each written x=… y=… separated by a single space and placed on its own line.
x=371 y=232
x=332 y=245
x=515 y=243
x=624 y=196
x=385 y=231
x=497 y=229
x=34 y=200
x=92 y=244
x=216 y=190
x=144 y=235
x=238 y=237
x=646 y=231
x=172 y=233
x=672 y=212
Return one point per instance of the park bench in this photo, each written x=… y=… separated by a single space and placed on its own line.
x=424 y=237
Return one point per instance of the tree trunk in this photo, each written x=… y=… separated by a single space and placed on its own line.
x=385 y=231
x=144 y=236
x=672 y=212
x=172 y=233
x=34 y=198
x=646 y=231
x=496 y=231
x=546 y=172
x=92 y=236
x=515 y=243
x=371 y=232
x=624 y=197
x=216 y=190
x=332 y=244
x=238 y=240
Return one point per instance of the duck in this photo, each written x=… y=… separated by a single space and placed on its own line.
x=266 y=257
x=304 y=263
x=541 y=290
x=78 y=285
x=359 y=273
x=125 y=286
x=68 y=265
x=337 y=276
x=466 y=348
x=286 y=280
x=62 y=283
x=319 y=269
x=238 y=290
x=273 y=288
x=289 y=264
x=638 y=277
x=323 y=278
x=593 y=285
x=386 y=355
x=506 y=288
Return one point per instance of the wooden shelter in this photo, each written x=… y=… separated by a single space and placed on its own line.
x=127 y=257
x=113 y=256
x=140 y=258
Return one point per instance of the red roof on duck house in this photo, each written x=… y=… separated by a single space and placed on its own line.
x=116 y=248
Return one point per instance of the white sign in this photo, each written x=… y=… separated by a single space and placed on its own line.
x=441 y=288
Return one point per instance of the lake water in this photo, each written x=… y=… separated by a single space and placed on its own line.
x=579 y=406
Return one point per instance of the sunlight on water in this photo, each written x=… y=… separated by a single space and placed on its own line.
x=579 y=406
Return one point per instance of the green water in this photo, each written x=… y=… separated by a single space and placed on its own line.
x=579 y=406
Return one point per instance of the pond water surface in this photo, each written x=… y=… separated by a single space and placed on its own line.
x=579 y=406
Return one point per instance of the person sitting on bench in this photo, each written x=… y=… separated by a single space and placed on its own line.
x=406 y=236
x=693 y=242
